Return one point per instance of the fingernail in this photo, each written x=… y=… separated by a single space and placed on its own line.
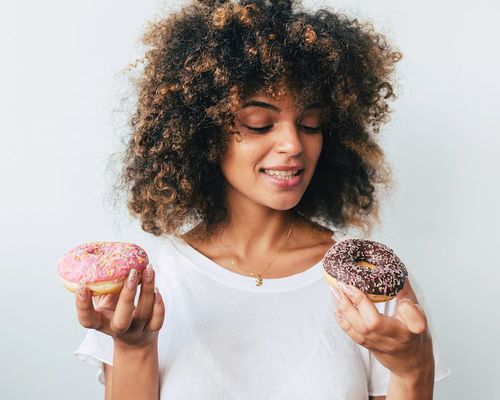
x=345 y=288
x=338 y=315
x=335 y=294
x=157 y=296
x=82 y=293
x=131 y=278
x=149 y=273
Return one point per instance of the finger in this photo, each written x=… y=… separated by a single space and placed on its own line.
x=361 y=313
x=407 y=292
x=156 y=321
x=412 y=316
x=122 y=317
x=370 y=317
x=108 y=301
x=87 y=315
x=353 y=333
x=418 y=324
x=379 y=328
x=145 y=303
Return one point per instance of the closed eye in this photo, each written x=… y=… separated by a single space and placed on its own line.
x=263 y=129
x=309 y=129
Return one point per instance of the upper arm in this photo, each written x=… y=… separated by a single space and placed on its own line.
x=108 y=372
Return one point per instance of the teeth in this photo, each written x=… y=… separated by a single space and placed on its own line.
x=281 y=174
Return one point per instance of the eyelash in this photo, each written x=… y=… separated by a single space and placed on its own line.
x=266 y=128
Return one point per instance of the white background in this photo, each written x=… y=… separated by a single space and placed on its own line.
x=63 y=114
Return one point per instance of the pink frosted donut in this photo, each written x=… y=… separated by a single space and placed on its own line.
x=101 y=266
x=370 y=266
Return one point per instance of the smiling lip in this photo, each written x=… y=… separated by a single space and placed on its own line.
x=285 y=168
x=284 y=183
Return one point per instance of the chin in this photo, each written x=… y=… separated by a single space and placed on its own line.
x=285 y=204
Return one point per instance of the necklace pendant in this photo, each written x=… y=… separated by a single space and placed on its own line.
x=259 y=281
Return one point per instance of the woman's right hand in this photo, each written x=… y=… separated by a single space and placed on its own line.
x=117 y=316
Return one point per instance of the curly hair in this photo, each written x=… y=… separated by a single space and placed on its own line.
x=205 y=59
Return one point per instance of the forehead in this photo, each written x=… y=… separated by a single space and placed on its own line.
x=272 y=98
x=282 y=96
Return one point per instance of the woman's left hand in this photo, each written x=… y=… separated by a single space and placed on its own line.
x=401 y=343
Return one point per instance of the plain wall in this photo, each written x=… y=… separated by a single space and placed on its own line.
x=62 y=102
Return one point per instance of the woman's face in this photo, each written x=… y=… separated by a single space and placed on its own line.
x=274 y=160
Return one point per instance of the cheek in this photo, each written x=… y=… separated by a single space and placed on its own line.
x=314 y=146
x=241 y=159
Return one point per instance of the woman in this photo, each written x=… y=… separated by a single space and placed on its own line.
x=254 y=132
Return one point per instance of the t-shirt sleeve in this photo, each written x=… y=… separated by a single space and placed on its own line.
x=96 y=349
x=379 y=375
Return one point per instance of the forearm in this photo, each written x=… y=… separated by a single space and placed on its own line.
x=417 y=387
x=135 y=373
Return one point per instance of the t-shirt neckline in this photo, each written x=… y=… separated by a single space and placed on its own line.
x=209 y=267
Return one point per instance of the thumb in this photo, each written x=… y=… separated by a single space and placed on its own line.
x=412 y=315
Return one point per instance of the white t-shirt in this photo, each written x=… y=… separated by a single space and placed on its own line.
x=226 y=338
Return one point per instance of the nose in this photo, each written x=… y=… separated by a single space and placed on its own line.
x=289 y=140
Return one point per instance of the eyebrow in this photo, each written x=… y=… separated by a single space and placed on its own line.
x=263 y=104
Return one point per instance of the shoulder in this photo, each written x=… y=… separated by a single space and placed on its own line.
x=310 y=242
x=310 y=234
x=306 y=235
x=200 y=240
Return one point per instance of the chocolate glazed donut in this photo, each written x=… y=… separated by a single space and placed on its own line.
x=370 y=266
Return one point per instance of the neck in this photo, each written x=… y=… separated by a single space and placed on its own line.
x=253 y=229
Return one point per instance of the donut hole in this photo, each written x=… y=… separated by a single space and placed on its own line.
x=366 y=264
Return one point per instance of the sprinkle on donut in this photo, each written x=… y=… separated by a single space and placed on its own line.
x=100 y=262
x=384 y=278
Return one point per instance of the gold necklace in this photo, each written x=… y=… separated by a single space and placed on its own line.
x=259 y=280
